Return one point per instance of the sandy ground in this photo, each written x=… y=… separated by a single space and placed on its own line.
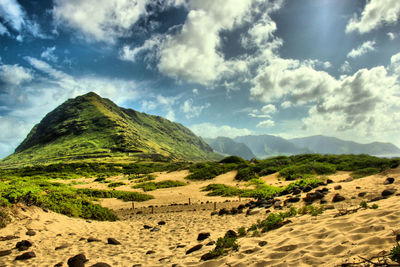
x=324 y=240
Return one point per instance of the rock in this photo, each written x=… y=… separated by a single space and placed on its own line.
x=161 y=223
x=5 y=252
x=147 y=226
x=349 y=179
x=137 y=265
x=323 y=201
x=101 y=264
x=296 y=191
x=337 y=198
x=8 y=237
x=262 y=243
x=58 y=264
x=155 y=229
x=25 y=256
x=230 y=234
x=362 y=194
x=203 y=236
x=150 y=252
x=293 y=199
x=329 y=207
x=307 y=188
x=234 y=211
x=195 y=248
x=77 y=261
x=253 y=211
x=113 y=241
x=211 y=243
x=376 y=199
x=277 y=204
x=92 y=239
x=389 y=180
x=353 y=197
x=329 y=181
x=358 y=187
x=337 y=187
x=388 y=192
x=180 y=246
x=23 y=245
x=222 y=211
x=208 y=256
x=311 y=197
x=62 y=247
x=30 y=232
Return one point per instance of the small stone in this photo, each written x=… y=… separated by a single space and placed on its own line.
x=92 y=239
x=231 y=234
x=307 y=188
x=376 y=199
x=293 y=199
x=5 y=252
x=329 y=181
x=23 y=245
x=155 y=229
x=253 y=211
x=337 y=187
x=211 y=243
x=203 y=236
x=349 y=179
x=262 y=243
x=77 y=261
x=8 y=237
x=147 y=226
x=137 y=265
x=58 y=264
x=101 y=264
x=358 y=187
x=329 y=207
x=30 y=232
x=389 y=180
x=362 y=194
x=61 y=247
x=25 y=256
x=193 y=249
x=296 y=191
x=161 y=223
x=338 y=198
x=113 y=241
x=208 y=256
x=388 y=192
x=150 y=252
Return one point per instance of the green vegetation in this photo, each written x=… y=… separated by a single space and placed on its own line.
x=150 y=186
x=223 y=245
x=123 y=195
x=364 y=172
x=116 y=184
x=394 y=254
x=364 y=205
x=209 y=170
x=232 y=159
x=300 y=171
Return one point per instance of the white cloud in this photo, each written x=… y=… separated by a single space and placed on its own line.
x=346 y=67
x=192 y=53
x=15 y=75
x=391 y=35
x=395 y=64
x=268 y=109
x=3 y=30
x=366 y=47
x=129 y=54
x=99 y=20
x=209 y=130
x=265 y=124
x=192 y=111
x=195 y=91
x=12 y=132
x=286 y=104
x=375 y=14
x=49 y=55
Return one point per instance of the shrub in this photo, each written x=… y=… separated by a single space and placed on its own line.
x=394 y=254
x=242 y=231
x=232 y=159
x=116 y=184
x=246 y=174
x=150 y=186
x=364 y=172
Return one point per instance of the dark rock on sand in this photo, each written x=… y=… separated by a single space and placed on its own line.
x=25 y=256
x=337 y=187
x=62 y=247
x=58 y=264
x=150 y=252
x=307 y=188
x=147 y=226
x=101 y=264
x=193 y=249
x=203 y=236
x=231 y=234
x=338 y=198
x=161 y=223
x=5 y=252
x=362 y=194
x=155 y=229
x=388 y=192
x=211 y=243
x=30 y=232
x=77 y=261
x=92 y=239
x=113 y=241
x=262 y=243
x=329 y=181
x=8 y=237
x=389 y=180
x=23 y=245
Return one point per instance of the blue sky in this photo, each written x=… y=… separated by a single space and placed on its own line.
x=222 y=68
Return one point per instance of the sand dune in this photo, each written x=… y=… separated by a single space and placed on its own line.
x=324 y=240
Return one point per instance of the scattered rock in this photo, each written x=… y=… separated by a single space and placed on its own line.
x=296 y=191
x=113 y=241
x=231 y=234
x=23 y=245
x=161 y=223
x=208 y=256
x=262 y=243
x=147 y=226
x=311 y=197
x=92 y=239
x=30 y=232
x=353 y=197
x=195 y=248
x=389 y=180
x=253 y=211
x=376 y=199
x=62 y=247
x=203 y=236
x=358 y=187
x=329 y=181
x=337 y=187
x=77 y=261
x=155 y=229
x=329 y=207
x=307 y=188
x=8 y=237
x=211 y=243
x=5 y=252
x=101 y=264
x=338 y=198
x=362 y=194
x=293 y=199
x=150 y=252
x=249 y=251
x=388 y=192
x=137 y=265
x=180 y=246
x=58 y=264
x=349 y=179
x=223 y=211
x=25 y=256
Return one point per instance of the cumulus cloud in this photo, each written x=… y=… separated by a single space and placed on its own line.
x=209 y=130
x=14 y=75
x=3 y=30
x=375 y=14
x=286 y=104
x=49 y=55
x=128 y=53
x=366 y=47
x=192 y=111
x=391 y=35
x=265 y=112
x=346 y=67
x=265 y=124
x=395 y=64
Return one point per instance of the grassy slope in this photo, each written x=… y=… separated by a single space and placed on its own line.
x=90 y=126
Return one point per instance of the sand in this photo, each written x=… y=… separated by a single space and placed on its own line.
x=324 y=240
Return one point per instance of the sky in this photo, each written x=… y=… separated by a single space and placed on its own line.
x=290 y=68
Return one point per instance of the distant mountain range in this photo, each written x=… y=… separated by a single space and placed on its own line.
x=90 y=126
x=263 y=146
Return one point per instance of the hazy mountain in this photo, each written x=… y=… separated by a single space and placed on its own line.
x=331 y=145
x=228 y=146
x=268 y=145
x=91 y=126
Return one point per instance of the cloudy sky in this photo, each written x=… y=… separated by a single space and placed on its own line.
x=223 y=68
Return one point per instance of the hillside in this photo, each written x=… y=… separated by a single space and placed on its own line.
x=89 y=126
x=268 y=145
x=331 y=145
x=228 y=146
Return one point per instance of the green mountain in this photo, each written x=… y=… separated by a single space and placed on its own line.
x=227 y=146
x=331 y=145
x=268 y=145
x=89 y=126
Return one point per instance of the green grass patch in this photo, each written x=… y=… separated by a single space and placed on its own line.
x=364 y=172
x=150 y=186
x=123 y=195
x=116 y=184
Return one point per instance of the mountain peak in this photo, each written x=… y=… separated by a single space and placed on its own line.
x=92 y=126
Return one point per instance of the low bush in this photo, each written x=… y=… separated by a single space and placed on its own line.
x=232 y=159
x=150 y=186
x=246 y=174
x=364 y=172
x=116 y=184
